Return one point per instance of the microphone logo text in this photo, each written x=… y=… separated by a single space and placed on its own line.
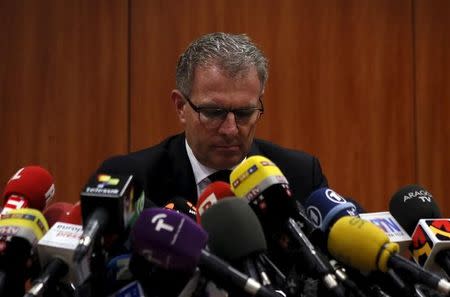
x=334 y=197
x=159 y=221
x=422 y=195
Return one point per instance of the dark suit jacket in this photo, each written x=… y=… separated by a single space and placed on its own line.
x=164 y=170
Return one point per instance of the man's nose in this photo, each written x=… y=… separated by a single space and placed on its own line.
x=229 y=125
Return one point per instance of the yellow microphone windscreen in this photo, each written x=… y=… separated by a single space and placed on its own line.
x=27 y=223
x=360 y=244
x=254 y=175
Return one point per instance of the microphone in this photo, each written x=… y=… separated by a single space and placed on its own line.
x=183 y=206
x=118 y=269
x=29 y=187
x=233 y=229
x=20 y=230
x=150 y=275
x=413 y=205
x=175 y=242
x=262 y=183
x=57 y=212
x=107 y=206
x=236 y=236
x=56 y=249
x=119 y=275
x=375 y=252
x=325 y=207
x=210 y=195
x=74 y=215
x=54 y=269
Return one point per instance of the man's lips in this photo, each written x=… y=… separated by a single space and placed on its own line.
x=227 y=147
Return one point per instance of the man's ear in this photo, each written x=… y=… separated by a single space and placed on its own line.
x=180 y=103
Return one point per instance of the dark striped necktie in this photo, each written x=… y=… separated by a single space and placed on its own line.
x=221 y=175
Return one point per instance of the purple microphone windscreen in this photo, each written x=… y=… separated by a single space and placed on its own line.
x=234 y=229
x=169 y=239
x=412 y=203
x=324 y=206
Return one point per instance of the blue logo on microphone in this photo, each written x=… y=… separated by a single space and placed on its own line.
x=334 y=197
x=315 y=215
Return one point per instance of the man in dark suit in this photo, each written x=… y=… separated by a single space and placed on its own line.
x=220 y=81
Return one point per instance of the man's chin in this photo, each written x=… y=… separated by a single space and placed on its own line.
x=227 y=162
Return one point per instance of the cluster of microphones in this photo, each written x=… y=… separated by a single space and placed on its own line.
x=248 y=237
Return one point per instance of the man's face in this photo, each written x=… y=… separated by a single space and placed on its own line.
x=226 y=145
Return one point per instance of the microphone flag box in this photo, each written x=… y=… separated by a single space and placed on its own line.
x=390 y=227
x=115 y=194
x=61 y=241
x=429 y=238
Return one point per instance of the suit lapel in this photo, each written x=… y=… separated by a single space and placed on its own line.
x=183 y=181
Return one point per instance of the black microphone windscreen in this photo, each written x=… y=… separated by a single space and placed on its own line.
x=233 y=228
x=122 y=165
x=412 y=203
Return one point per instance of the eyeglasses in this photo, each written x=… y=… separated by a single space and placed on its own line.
x=213 y=117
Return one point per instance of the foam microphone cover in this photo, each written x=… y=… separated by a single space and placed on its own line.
x=57 y=212
x=169 y=239
x=183 y=206
x=254 y=175
x=233 y=228
x=34 y=183
x=412 y=203
x=360 y=244
x=26 y=223
x=210 y=195
x=74 y=215
x=324 y=206
x=265 y=187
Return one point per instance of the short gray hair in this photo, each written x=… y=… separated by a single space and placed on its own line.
x=232 y=53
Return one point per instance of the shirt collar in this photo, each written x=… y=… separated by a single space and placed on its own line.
x=200 y=171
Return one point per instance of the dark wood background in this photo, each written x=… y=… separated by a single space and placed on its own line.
x=363 y=85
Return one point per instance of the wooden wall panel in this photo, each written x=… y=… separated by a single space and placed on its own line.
x=340 y=82
x=63 y=87
x=342 y=72
x=432 y=56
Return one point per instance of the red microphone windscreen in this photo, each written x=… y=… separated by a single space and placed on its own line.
x=57 y=212
x=74 y=216
x=33 y=183
x=212 y=193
